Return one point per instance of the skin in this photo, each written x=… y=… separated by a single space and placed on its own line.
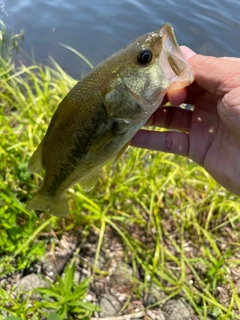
x=209 y=135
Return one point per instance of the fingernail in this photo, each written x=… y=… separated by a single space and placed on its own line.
x=187 y=52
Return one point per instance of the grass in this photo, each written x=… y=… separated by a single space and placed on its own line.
x=177 y=224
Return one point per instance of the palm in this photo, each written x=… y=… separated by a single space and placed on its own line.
x=201 y=135
x=212 y=145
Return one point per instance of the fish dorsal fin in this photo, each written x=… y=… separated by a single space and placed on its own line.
x=35 y=162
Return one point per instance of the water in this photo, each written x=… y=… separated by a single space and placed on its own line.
x=99 y=28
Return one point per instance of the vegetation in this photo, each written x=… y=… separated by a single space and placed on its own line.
x=186 y=227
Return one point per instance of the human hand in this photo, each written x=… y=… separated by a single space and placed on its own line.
x=209 y=135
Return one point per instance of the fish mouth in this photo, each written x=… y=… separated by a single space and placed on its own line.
x=176 y=68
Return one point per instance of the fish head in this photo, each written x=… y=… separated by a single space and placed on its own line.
x=150 y=66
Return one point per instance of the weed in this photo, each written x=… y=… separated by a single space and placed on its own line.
x=180 y=228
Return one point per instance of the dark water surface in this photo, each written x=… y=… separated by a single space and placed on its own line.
x=99 y=28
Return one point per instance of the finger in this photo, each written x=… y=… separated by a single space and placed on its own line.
x=189 y=95
x=176 y=97
x=171 y=118
x=187 y=52
x=232 y=58
x=229 y=111
x=171 y=142
x=217 y=75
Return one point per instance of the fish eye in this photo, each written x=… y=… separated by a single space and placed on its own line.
x=144 y=56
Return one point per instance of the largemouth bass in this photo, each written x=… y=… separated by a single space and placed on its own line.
x=98 y=117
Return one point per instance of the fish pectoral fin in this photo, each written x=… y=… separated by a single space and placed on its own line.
x=121 y=152
x=35 y=162
x=101 y=141
x=89 y=183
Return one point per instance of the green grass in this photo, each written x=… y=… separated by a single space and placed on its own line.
x=177 y=224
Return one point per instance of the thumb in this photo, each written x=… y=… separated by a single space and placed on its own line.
x=187 y=52
x=216 y=75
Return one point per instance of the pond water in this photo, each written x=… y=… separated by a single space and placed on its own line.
x=99 y=28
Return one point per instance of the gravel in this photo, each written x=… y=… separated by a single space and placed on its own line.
x=113 y=292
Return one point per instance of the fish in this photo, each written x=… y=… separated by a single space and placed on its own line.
x=96 y=120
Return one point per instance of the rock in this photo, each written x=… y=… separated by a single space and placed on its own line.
x=54 y=265
x=152 y=296
x=121 y=277
x=177 y=310
x=31 y=282
x=109 y=304
x=155 y=314
x=122 y=281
